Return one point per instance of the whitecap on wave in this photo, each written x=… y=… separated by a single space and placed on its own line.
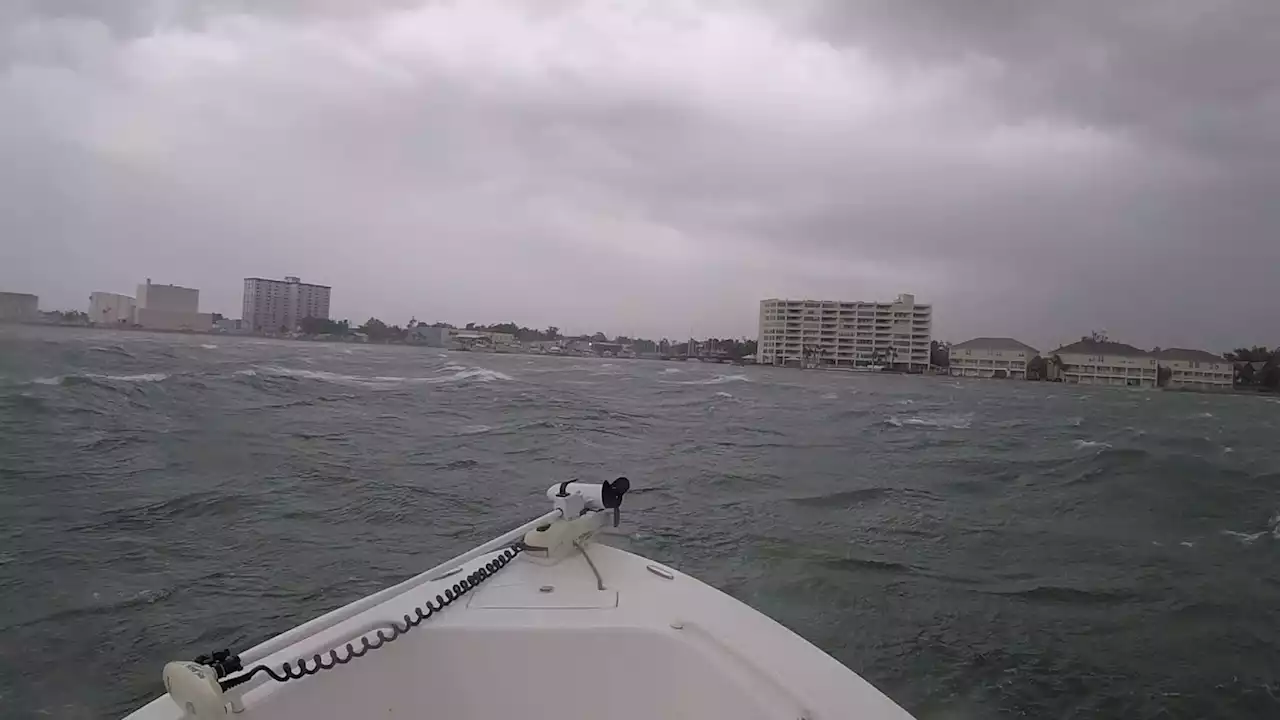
x=460 y=373
x=1246 y=538
x=62 y=379
x=717 y=380
x=1083 y=444
x=144 y=377
x=953 y=422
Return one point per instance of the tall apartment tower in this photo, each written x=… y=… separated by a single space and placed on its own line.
x=278 y=305
x=845 y=333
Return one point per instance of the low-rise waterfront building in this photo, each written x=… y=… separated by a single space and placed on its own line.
x=1196 y=369
x=19 y=306
x=440 y=337
x=991 y=357
x=1102 y=362
x=170 y=307
x=112 y=309
x=229 y=325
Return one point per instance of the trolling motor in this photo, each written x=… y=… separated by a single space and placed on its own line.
x=584 y=509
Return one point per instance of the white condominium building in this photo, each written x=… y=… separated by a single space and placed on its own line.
x=112 y=309
x=278 y=305
x=1102 y=362
x=1196 y=369
x=991 y=357
x=845 y=334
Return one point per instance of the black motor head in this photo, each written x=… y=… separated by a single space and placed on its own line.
x=611 y=492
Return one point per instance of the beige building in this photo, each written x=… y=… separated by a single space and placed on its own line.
x=107 y=309
x=170 y=307
x=279 y=305
x=845 y=334
x=991 y=358
x=170 y=298
x=1196 y=369
x=1101 y=362
x=19 y=306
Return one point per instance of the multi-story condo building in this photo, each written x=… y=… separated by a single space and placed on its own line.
x=991 y=358
x=111 y=309
x=1196 y=369
x=1101 y=362
x=845 y=334
x=19 y=306
x=168 y=307
x=278 y=305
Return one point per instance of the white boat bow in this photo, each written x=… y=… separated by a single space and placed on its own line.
x=539 y=624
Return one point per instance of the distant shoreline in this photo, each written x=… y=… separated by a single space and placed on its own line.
x=1243 y=391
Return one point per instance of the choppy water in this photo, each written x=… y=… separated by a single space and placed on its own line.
x=975 y=549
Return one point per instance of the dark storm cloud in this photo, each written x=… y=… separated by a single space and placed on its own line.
x=1189 y=88
x=1035 y=169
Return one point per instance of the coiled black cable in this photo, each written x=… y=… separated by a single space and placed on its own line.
x=225 y=663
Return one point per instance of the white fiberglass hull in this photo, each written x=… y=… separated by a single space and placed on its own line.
x=545 y=642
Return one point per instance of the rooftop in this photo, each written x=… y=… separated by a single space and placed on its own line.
x=1087 y=346
x=290 y=281
x=993 y=343
x=1186 y=354
x=793 y=301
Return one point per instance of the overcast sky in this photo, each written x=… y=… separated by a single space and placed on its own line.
x=1033 y=169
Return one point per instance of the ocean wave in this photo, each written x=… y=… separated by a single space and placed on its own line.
x=1064 y=594
x=843 y=498
x=97 y=607
x=1084 y=444
x=1273 y=529
x=208 y=346
x=92 y=377
x=717 y=380
x=144 y=377
x=1246 y=538
x=462 y=373
x=474 y=429
x=112 y=350
x=724 y=394
x=477 y=374
x=939 y=421
x=854 y=564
